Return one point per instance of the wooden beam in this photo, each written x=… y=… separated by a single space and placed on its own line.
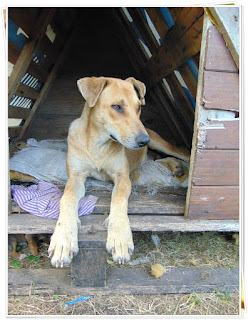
x=144 y=29
x=18 y=113
x=132 y=34
x=158 y=21
x=30 y=224
x=173 y=52
x=26 y=55
x=129 y=45
x=47 y=85
x=33 y=69
x=198 y=110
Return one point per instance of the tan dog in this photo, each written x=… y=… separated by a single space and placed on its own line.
x=107 y=142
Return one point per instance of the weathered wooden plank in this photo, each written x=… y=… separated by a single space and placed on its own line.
x=227 y=19
x=158 y=204
x=48 y=83
x=18 y=112
x=33 y=69
x=26 y=91
x=144 y=29
x=132 y=34
x=216 y=168
x=219 y=135
x=221 y=90
x=158 y=21
x=218 y=56
x=187 y=18
x=214 y=203
x=27 y=52
x=125 y=281
x=14 y=131
x=173 y=52
x=30 y=224
x=128 y=44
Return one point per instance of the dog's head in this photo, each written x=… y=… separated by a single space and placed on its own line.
x=117 y=107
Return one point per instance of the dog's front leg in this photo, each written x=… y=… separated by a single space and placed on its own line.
x=120 y=240
x=64 y=241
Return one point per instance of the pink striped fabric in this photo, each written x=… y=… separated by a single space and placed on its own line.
x=43 y=200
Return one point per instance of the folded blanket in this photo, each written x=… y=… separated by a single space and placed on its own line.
x=43 y=200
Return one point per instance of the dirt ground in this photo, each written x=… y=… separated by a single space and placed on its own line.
x=170 y=249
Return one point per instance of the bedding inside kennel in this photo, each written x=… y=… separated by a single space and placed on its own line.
x=191 y=100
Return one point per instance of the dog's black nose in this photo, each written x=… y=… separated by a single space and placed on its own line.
x=142 y=140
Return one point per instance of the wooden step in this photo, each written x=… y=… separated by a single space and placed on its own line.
x=30 y=224
x=125 y=280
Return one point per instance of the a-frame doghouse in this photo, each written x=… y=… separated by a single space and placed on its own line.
x=189 y=60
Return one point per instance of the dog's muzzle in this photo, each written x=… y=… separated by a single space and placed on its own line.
x=142 y=140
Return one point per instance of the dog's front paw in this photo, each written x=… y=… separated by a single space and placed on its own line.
x=64 y=244
x=120 y=241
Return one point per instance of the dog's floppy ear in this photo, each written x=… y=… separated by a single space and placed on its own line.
x=91 y=88
x=139 y=87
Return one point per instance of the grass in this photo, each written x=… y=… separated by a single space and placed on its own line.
x=171 y=249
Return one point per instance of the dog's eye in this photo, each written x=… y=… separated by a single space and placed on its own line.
x=139 y=109
x=117 y=107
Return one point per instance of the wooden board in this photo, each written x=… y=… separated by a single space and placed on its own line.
x=48 y=83
x=125 y=281
x=158 y=21
x=216 y=168
x=159 y=204
x=18 y=112
x=144 y=29
x=174 y=51
x=214 y=203
x=219 y=135
x=30 y=224
x=228 y=21
x=26 y=91
x=221 y=90
x=218 y=56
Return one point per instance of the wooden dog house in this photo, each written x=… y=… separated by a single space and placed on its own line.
x=192 y=78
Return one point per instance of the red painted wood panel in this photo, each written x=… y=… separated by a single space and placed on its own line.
x=216 y=168
x=222 y=138
x=218 y=57
x=214 y=203
x=221 y=90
